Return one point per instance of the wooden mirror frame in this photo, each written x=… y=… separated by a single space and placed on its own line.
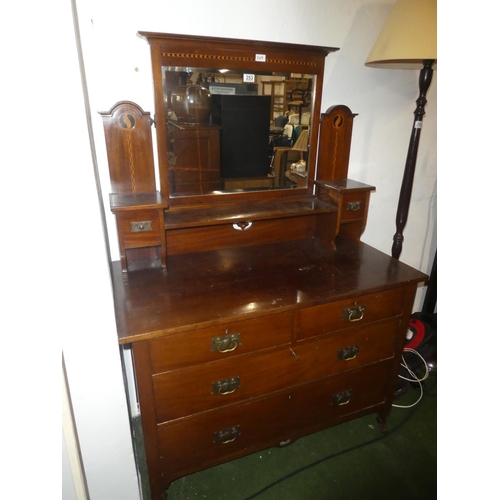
x=222 y=53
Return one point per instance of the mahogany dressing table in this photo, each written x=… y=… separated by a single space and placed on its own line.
x=255 y=315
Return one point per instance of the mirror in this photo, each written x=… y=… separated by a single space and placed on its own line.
x=232 y=131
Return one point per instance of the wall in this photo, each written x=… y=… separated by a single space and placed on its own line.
x=56 y=288
x=55 y=266
x=81 y=308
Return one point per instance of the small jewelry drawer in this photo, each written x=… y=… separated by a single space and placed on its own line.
x=139 y=228
x=326 y=318
x=220 y=342
x=354 y=205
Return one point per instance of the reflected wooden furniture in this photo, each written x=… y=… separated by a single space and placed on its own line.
x=264 y=182
x=273 y=320
x=299 y=98
x=285 y=157
x=287 y=95
x=298 y=179
x=277 y=90
x=194 y=161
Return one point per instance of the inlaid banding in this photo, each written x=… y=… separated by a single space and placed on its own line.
x=221 y=57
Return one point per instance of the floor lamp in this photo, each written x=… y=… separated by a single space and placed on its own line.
x=408 y=41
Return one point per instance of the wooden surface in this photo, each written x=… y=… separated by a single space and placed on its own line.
x=286 y=376
x=195 y=151
x=352 y=199
x=224 y=213
x=205 y=289
x=136 y=201
x=127 y=129
x=335 y=143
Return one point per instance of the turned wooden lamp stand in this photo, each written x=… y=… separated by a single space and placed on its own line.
x=408 y=40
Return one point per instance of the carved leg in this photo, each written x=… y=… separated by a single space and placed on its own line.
x=381 y=420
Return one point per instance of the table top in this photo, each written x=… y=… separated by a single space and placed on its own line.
x=210 y=288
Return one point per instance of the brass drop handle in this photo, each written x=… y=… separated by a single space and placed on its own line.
x=227 y=436
x=353 y=206
x=342 y=398
x=226 y=392
x=348 y=353
x=355 y=313
x=226 y=343
x=226 y=387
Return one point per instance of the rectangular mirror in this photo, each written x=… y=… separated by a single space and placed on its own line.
x=235 y=130
x=236 y=120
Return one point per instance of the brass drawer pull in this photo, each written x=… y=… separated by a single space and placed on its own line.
x=226 y=343
x=141 y=226
x=348 y=353
x=226 y=436
x=225 y=387
x=342 y=398
x=353 y=206
x=355 y=313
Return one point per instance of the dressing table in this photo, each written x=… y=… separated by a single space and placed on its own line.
x=255 y=314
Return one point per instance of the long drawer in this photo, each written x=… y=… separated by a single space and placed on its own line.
x=206 y=238
x=195 y=389
x=219 y=342
x=223 y=434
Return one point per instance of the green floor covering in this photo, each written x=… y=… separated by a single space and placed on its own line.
x=349 y=461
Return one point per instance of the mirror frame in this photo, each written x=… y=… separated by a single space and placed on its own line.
x=233 y=54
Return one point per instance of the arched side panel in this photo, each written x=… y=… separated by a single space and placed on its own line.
x=335 y=143
x=127 y=130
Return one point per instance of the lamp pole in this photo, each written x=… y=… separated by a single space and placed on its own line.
x=411 y=159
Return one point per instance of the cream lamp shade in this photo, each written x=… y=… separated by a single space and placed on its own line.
x=408 y=37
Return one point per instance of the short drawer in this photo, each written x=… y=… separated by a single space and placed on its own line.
x=139 y=228
x=326 y=318
x=220 y=342
x=226 y=433
x=354 y=205
x=195 y=389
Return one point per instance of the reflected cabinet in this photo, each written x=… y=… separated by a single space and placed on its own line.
x=254 y=312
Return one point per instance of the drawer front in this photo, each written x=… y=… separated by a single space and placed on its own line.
x=224 y=434
x=199 y=388
x=201 y=239
x=354 y=205
x=139 y=228
x=220 y=342
x=326 y=318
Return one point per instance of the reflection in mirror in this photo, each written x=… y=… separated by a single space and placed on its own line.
x=234 y=131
